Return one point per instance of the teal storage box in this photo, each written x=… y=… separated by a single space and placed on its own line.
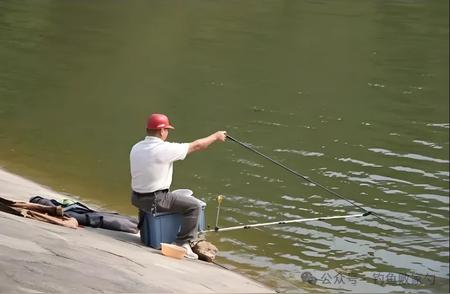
x=163 y=227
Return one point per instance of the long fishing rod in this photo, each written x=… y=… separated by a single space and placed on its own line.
x=304 y=177
x=301 y=220
x=295 y=172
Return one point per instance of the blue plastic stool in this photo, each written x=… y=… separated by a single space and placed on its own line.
x=163 y=227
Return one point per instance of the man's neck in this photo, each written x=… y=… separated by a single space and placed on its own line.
x=153 y=137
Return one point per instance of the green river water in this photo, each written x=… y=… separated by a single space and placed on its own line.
x=353 y=94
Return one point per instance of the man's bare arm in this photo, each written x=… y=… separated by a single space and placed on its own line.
x=203 y=143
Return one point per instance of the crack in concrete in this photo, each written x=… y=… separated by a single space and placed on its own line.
x=60 y=255
x=121 y=256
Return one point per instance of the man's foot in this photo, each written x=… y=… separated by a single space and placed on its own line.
x=189 y=253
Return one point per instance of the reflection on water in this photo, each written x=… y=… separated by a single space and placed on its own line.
x=352 y=94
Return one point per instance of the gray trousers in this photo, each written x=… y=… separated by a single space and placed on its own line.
x=178 y=201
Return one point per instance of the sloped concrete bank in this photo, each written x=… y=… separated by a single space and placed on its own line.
x=40 y=257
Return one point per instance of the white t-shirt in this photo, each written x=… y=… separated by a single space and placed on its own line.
x=151 y=163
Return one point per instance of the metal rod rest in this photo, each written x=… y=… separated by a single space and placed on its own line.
x=285 y=222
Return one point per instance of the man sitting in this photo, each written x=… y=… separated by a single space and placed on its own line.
x=151 y=165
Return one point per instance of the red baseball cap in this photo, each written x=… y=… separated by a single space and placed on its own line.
x=158 y=121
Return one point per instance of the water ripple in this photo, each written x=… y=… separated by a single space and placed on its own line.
x=408 y=155
x=248 y=162
x=360 y=162
x=268 y=123
x=382 y=181
x=443 y=125
x=440 y=198
x=301 y=152
x=413 y=170
x=432 y=145
x=264 y=178
x=300 y=199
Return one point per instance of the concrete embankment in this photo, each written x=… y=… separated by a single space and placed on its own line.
x=40 y=257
